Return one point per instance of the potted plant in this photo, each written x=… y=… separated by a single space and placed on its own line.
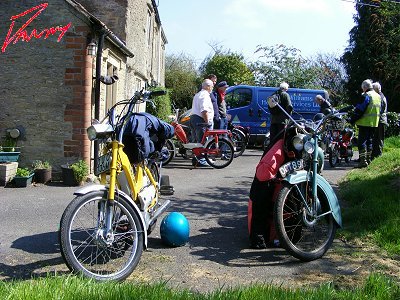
x=23 y=177
x=76 y=173
x=42 y=171
x=9 y=152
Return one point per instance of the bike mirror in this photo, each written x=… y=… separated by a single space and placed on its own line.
x=108 y=80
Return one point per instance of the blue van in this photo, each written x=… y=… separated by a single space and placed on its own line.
x=248 y=107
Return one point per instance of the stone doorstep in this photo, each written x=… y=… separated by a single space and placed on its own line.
x=7 y=172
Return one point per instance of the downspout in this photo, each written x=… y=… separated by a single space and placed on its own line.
x=99 y=54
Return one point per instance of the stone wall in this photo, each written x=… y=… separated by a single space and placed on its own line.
x=38 y=86
x=128 y=19
x=46 y=86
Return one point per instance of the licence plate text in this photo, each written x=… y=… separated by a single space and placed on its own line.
x=291 y=167
x=103 y=164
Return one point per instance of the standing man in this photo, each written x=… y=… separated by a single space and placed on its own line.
x=221 y=91
x=379 y=136
x=213 y=96
x=278 y=118
x=366 y=117
x=202 y=114
x=324 y=106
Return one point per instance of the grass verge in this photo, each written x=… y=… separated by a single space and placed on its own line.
x=372 y=198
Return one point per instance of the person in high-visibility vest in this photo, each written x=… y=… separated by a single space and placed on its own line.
x=366 y=117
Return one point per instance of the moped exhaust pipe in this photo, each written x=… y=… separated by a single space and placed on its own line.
x=159 y=211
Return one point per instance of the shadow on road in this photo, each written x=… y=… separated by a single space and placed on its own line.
x=43 y=244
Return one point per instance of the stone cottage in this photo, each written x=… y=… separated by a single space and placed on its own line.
x=49 y=87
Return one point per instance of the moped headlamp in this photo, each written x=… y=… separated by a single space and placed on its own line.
x=309 y=147
x=98 y=131
x=298 y=142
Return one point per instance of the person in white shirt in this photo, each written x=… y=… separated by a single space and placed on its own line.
x=202 y=116
x=202 y=111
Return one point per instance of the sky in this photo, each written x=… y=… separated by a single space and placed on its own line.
x=312 y=26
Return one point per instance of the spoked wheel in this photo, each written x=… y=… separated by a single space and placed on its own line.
x=170 y=146
x=154 y=169
x=88 y=249
x=221 y=156
x=239 y=142
x=334 y=157
x=306 y=237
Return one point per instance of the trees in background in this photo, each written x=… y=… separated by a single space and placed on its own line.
x=181 y=78
x=227 y=66
x=281 y=63
x=374 y=48
x=276 y=64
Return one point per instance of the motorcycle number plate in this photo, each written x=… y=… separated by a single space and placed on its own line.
x=103 y=164
x=291 y=167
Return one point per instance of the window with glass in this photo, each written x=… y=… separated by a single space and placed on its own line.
x=238 y=98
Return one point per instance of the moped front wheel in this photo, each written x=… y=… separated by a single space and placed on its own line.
x=306 y=236
x=334 y=157
x=91 y=251
x=221 y=156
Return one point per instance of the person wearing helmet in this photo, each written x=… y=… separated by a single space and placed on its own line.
x=324 y=106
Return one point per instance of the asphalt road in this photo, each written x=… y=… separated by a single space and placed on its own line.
x=217 y=254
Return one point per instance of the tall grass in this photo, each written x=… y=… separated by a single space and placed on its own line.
x=372 y=199
x=375 y=287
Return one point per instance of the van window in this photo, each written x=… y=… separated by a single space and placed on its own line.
x=238 y=98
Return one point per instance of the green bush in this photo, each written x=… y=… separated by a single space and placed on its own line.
x=394 y=124
x=81 y=170
x=162 y=106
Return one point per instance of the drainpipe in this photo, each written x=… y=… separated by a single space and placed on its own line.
x=100 y=46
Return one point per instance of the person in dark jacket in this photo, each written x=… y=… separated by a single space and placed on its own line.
x=278 y=118
x=379 y=136
x=222 y=123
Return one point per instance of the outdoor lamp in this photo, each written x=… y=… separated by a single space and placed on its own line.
x=92 y=49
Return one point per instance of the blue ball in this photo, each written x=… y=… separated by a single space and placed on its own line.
x=174 y=229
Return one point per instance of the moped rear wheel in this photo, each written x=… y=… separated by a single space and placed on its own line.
x=304 y=236
x=88 y=250
x=221 y=156
x=170 y=146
